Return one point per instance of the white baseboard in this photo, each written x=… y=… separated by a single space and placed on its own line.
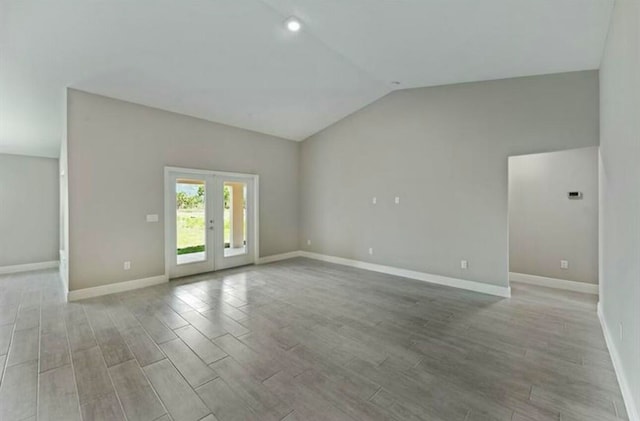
x=28 y=267
x=633 y=407
x=278 y=257
x=499 y=291
x=554 y=283
x=81 y=294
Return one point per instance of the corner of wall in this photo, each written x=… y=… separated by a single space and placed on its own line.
x=631 y=404
x=64 y=197
x=300 y=181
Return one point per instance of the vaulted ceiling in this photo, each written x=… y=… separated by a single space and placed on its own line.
x=233 y=61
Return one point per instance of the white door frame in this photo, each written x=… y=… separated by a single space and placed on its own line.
x=169 y=206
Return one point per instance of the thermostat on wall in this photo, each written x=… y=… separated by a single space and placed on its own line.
x=575 y=195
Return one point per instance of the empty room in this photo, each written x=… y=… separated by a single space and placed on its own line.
x=320 y=210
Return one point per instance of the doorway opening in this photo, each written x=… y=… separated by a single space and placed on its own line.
x=553 y=219
x=210 y=220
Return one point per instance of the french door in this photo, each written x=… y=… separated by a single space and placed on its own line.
x=210 y=221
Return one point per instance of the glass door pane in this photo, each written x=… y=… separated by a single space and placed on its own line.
x=191 y=221
x=189 y=238
x=234 y=240
x=235 y=218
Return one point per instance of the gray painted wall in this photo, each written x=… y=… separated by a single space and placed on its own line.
x=620 y=189
x=444 y=152
x=544 y=225
x=117 y=152
x=28 y=210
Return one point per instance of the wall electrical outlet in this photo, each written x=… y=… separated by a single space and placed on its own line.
x=397 y=200
x=127 y=265
x=564 y=264
x=370 y=250
x=464 y=264
x=308 y=242
x=374 y=200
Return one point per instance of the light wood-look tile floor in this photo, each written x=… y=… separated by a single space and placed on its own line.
x=301 y=340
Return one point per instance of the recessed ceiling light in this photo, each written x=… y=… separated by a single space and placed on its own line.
x=293 y=24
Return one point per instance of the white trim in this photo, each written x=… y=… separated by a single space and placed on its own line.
x=483 y=288
x=208 y=172
x=223 y=261
x=81 y=294
x=601 y=190
x=256 y=217
x=28 y=267
x=632 y=407
x=554 y=283
x=278 y=257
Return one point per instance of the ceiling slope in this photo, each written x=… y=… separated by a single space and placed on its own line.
x=232 y=61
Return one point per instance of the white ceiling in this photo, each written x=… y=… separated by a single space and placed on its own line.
x=232 y=61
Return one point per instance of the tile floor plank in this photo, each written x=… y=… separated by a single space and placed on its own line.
x=224 y=403
x=28 y=317
x=154 y=327
x=252 y=391
x=203 y=347
x=58 y=399
x=104 y=408
x=204 y=325
x=194 y=370
x=24 y=346
x=92 y=377
x=18 y=391
x=135 y=393
x=260 y=366
x=80 y=336
x=113 y=347
x=54 y=351
x=179 y=398
x=302 y=340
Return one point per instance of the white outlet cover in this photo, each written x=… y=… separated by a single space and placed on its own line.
x=464 y=264
x=397 y=200
x=564 y=264
x=127 y=265
x=374 y=200
x=308 y=242
x=370 y=250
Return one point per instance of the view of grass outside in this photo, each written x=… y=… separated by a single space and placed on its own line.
x=191 y=220
x=191 y=225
